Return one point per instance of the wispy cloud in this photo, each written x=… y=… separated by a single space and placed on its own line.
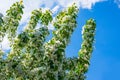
x=5 y=44
x=117 y=2
x=80 y=3
x=54 y=5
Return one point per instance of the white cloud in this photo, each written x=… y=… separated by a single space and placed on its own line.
x=88 y=3
x=117 y=2
x=5 y=43
x=54 y=5
x=55 y=9
x=34 y=4
x=30 y=5
x=80 y=3
x=5 y=4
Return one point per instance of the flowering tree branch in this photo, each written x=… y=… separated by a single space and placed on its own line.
x=32 y=58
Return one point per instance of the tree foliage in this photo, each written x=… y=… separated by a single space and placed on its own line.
x=32 y=58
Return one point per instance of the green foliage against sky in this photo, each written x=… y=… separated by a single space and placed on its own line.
x=32 y=58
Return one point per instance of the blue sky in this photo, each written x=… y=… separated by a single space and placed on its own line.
x=105 y=60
